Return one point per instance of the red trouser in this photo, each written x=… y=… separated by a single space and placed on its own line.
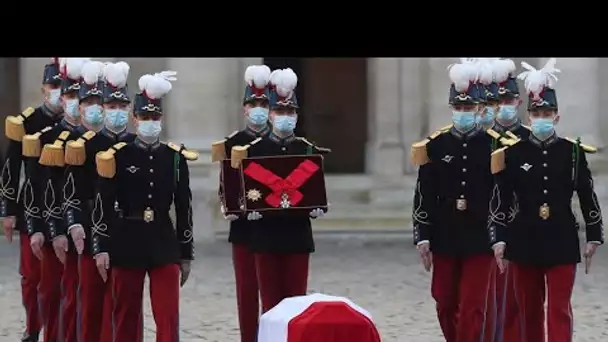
x=247 y=297
x=508 y=327
x=128 y=287
x=281 y=276
x=91 y=298
x=29 y=268
x=69 y=298
x=50 y=293
x=529 y=283
x=461 y=287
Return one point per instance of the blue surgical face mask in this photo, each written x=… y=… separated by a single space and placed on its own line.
x=117 y=119
x=284 y=123
x=507 y=113
x=93 y=115
x=53 y=97
x=463 y=121
x=258 y=115
x=149 y=130
x=542 y=128
x=71 y=108
x=486 y=119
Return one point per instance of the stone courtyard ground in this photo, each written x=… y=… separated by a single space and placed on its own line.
x=381 y=274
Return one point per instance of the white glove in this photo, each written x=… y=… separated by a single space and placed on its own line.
x=229 y=217
x=253 y=216
x=316 y=213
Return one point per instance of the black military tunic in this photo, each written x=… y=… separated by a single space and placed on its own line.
x=240 y=228
x=47 y=180
x=452 y=193
x=81 y=180
x=147 y=179
x=543 y=176
x=34 y=120
x=288 y=233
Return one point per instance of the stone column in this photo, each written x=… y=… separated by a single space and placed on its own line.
x=385 y=150
x=438 y=93
x=603 y=100
x=199 y=111
x=577 y=96
x=31 y=70
x=413 y=89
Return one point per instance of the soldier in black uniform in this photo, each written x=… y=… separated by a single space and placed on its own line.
x=55 y=285
x=255 y=105
x=12 y=210
x=507 y=118
x=142 y=179
x=503 y=95
x=451 y=210
x=78 y=189
x=282 y=244
x=542 y=242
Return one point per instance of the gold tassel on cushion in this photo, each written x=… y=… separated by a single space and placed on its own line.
x=75 y=152
x=53 y=154
x=106 y=164
x=498 y=160
x=237 y=155
x=31 y=145
x=13 y=128
x=218 y=151
x=419 y=155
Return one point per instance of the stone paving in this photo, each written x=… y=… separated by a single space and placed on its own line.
x=381 y=275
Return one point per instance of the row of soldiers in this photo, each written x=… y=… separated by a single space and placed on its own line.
x=492 y=208
x=270 y=253
x=95 y=196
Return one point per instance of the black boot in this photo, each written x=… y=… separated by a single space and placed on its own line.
x=30 y=337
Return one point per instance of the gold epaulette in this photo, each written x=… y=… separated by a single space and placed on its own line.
x=319 y=149
x=188 y=154
x=419 y=155
x=446 y=128
x=218 y=148
x=586 y=148
x=54 y=154
x=493 y=134
x=508 y=142
x=512 y=135
x=238 y=153
x=106 y=163
x=14 y=127
x=75 y=151
x=31 y=143
x=218 y=151
x=498 y=160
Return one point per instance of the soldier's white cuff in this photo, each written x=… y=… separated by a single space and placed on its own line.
x=423 y=242
x=595 y=242
x=500 y=243
x=75 y=225
x=100 y=254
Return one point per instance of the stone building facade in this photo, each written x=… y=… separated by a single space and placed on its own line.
x=368 y=111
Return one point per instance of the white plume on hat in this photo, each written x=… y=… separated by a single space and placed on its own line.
x=92 y=72
x=72 y=67
x=116 y=74
x=285 y=81
x=257 y=76
x=485 y=70
x=502 y=68
x=463 y=73
x=535 y=81
x=157 y=85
